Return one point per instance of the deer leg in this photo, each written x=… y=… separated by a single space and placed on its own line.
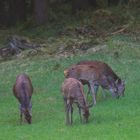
x=96 y=87
x=80 y=113
x=20 y=117
x=67 y=114
x=67 y=111
x=71 y=110
x=88 y=91
x=93 y=92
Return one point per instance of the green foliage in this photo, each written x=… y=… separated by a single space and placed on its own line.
x=102 y=3
x=62 y=24
x=134 y=3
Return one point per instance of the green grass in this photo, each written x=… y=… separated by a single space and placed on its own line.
x=111 y=119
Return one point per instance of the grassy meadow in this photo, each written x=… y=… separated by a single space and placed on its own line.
x=110 y=119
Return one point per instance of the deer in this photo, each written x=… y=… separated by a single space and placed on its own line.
x=90 y=75
x=108 y=72
x=23 y=90
x=72 y=90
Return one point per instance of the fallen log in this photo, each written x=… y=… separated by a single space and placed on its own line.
x=16 y=44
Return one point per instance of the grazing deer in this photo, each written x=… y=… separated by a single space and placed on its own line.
x=90 y=75
x=23 y=90
x=108 y=72
x=72 y=90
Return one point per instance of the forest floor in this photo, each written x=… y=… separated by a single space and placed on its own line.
x=67 y=34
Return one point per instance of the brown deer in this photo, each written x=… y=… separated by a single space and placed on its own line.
x=90 y=75
x=23 y=90
x=72 y=90
x=108 y=72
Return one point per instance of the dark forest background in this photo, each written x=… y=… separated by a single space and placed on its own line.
x=38 y=12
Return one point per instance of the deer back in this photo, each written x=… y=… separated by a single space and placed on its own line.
x=23 y=89
x=102 y=67
x=83 y=72
x=73 y=89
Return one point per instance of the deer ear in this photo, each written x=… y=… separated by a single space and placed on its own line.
x=66 y=73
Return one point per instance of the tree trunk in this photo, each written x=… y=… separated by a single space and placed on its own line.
x=21 y=10
x=113 y=2
x=2 y=13
x=93 y=3
x=16 y=11
x=41 y=11
x=82 y=4
x=79 y=4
